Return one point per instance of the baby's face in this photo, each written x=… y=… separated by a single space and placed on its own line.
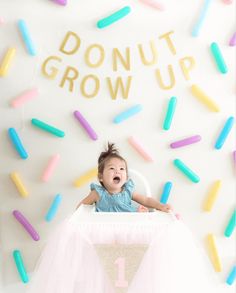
x=114 y=175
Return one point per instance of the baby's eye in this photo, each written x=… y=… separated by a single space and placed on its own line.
x=111 y=168
x=122 y=169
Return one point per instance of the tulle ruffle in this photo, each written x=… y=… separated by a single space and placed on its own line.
x=172 y=262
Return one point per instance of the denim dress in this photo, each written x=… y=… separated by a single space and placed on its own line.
x=117 y=202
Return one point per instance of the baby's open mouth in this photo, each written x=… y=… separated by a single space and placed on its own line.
x=116 y=179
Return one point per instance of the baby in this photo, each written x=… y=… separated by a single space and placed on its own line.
x=116 y=192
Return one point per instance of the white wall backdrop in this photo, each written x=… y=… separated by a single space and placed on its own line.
x=48 y=24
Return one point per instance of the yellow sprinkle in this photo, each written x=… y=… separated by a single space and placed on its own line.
x=7 y=61
x=212 y=195
x=86 y=177
x=202 y=97
x=19 y=184
x=213 y=252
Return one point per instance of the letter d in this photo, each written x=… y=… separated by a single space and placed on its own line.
x=75 y=46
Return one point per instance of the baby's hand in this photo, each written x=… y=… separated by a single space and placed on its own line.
x=164 y=207
x=142 y=209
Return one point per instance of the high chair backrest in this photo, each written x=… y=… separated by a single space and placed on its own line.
x=143 y=180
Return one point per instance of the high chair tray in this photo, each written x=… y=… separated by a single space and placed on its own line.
x=87 y=213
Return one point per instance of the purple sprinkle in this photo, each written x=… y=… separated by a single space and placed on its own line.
x=60 y=2
x=186 y=141
x=232 y=41
x=92 y=134
x=24 y=222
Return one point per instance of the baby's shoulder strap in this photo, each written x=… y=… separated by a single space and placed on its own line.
x=98 y=188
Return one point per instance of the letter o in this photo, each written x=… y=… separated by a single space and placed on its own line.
x=101 y=57
x=96 y=88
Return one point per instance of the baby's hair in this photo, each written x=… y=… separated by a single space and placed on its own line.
x=110 y=152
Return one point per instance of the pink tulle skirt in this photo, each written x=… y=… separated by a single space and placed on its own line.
x=117 y=253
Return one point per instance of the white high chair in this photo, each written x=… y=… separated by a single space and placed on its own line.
x=122 y=241
x=121 y=253
x=87 y=212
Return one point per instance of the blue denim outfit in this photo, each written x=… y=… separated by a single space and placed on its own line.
x=117 y=202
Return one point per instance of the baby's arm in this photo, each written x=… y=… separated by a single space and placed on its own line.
x=90 y=199
x=150 y=202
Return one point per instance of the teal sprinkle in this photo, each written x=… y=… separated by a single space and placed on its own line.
x=47 y=127
x=114 y=17
x=215 y=50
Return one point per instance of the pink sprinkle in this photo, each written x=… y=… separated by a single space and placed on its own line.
x=153 y=4
x=24 y=97
x=228 y=1
x=53 y=162
x=60 y=2
x=140 y=149
x=178 y=217
x=234 y=157
x=232 y=41
x=1 y=20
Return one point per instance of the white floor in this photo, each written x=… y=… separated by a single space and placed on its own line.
x=15 y=288
x=21 y=288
